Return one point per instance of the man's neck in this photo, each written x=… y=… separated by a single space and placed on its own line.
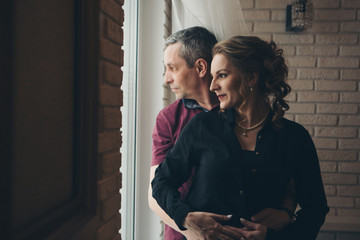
x=207 y=100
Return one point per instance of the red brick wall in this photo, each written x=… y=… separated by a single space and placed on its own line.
x=111 y=99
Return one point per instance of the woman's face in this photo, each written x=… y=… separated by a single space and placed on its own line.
x=226 y=82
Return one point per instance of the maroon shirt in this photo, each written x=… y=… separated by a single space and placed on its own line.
x=169 y=123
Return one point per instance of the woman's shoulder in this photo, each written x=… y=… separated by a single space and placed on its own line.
x=292 y=127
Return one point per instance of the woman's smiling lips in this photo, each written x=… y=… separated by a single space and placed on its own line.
x=220 y=96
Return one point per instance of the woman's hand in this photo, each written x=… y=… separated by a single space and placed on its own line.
x=207 y=226
x=250 y=231
x=272 y=218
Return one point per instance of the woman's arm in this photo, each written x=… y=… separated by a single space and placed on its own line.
x=309 y=190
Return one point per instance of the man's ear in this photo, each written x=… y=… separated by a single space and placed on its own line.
x=253 y=79
x=201 y=67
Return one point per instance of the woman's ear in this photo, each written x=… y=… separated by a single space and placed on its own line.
x=201 y=67
x=253 y=79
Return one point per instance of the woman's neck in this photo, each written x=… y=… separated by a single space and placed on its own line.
x=253 y=113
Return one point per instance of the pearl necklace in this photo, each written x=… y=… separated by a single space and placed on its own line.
x=244 y=130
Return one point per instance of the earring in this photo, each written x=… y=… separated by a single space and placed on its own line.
x=251 y=89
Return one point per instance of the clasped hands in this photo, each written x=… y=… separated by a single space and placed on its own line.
x=210 y=226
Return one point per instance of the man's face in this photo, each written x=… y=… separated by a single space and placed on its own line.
x=182 y=79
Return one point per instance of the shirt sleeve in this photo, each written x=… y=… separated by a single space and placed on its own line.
x=172 y=173
x=309 y=190
x=162 y=139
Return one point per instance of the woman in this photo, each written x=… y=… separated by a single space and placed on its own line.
x=246 y=154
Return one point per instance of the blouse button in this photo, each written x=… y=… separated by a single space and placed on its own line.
x=260 y=136
x=253 y=170
x=241 y=192
x=257 y=153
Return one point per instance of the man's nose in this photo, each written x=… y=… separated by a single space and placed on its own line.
x=167 y=78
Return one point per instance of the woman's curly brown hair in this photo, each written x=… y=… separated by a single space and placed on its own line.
x=251 y=55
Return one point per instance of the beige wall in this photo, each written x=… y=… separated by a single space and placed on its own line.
x=325 y=78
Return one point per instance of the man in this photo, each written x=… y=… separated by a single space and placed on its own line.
x=187 y=58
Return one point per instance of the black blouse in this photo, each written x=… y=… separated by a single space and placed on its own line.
x=229 y=180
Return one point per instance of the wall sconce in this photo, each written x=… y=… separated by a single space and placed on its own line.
x=299 y=16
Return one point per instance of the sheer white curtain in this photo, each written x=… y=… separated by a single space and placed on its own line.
x=224 y=18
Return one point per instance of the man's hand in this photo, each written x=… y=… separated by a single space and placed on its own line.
x=207 y=226
x=272 y=218
x=250 y=231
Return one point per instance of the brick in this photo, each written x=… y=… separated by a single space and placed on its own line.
x=278 y=15
x=288 y=50
x=114 y=31
x=112 y=117
x=334 y=15
x=338 y=62
x=350 y=27
x=110 y=162
x=349 y=121
x=256 y=14
x=301 y=84
x=348 y=213
x=332 y=178
x=318 y=97
x=108 y=187
x=332 y=212
x=337 y=155
x=109 y=140
x=341 y=132
x=264 y=36
x=247 y=4
x=349 y=236
x=330 y=190
x=111 y=51
x=349 y=143
x=110 y=73
x=350 y=4
x=294 y=39
x=326 y=235
x=317 y=50
x=353 y=97
x=325 y=143
x=289 y=116
x=110 y=207
x=312 y=73
x=350 y=74
x=291 y=97
x=350 y=50
x=269 y=27
x=324 y=27
x=336 y=39
x=271 y=4
x=335 y=85
x=292 y=73
x=328 y=167
x=326 y=4
x=340 y=202
x=350 y=191
x=110 y=96
x=301 y=61
x=301 y=108
x=316 y=119
x=109 y=229
x=113 y=9
x=337 y=108
x=358 y=203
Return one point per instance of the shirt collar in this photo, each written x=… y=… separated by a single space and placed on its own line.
x=192 y=104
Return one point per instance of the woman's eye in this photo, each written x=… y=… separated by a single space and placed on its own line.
x=222 y=75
